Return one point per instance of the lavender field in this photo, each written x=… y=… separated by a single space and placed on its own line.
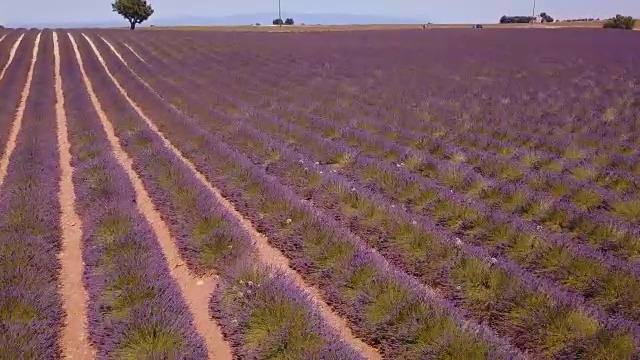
x=396 y=194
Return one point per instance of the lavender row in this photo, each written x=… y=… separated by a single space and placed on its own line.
x=324 y=254
x=417 y=78
x=569 y=217
x=582 y=211
x=387 y=151
x=573 y=157
x=8 y=40
x=209 y=237
x=31 y=315
x=458 y=179
x=414 y=77
x=314 y=91
x=571 y=271
x=274 y=286
x=135 y=307
x=288 y=79
x=582 y=195
x=12 y=84
x=294 y=174
x=264 y=316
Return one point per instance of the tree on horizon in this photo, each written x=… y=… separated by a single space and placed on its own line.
x=135 y=11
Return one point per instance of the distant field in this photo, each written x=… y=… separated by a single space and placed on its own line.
x=308 y=28
x=443 y=194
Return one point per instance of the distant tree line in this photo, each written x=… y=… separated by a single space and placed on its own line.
x=620 y=22
x=582 y=20
x=544 y=17
x=516 y=19
x=288 y=21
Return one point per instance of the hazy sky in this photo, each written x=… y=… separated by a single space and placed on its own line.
x=26 y=11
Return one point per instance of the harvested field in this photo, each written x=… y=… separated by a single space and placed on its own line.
x=453 y=193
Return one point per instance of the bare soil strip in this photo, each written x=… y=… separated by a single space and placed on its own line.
x=12 y=54
x=267 y=254
x=132 y=51
x=75 y=339
x=119 y=55
x=17 y=122
x=195 y=290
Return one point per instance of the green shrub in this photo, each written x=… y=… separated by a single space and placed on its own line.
x=620 y=22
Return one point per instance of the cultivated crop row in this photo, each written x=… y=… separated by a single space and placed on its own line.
x=337 y=75
x=210 y=239
x=577 y=211
x=300 y=172
x=260 y=149
x=441 y=163
x=136 y=307
x=411 y=194
x=30 y=308
x=13 y=81
x=134 y=304
x=7 y=41
x=356 y=281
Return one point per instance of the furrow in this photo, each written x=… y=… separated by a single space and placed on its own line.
x=31 y=314
x=196 y=299
x=12 y=54
x=550 y=290
x=17 y=122
x=75 y=339
x=290 y=156
x=134 y=52
x=307 y=217
x=585 y=225
x=267 y=254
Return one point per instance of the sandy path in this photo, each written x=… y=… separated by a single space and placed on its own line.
x=132 y=51
x=17 y=121
x=12 y=54
x=75 y=339
x=118 y=54
x=195 y=290
x=267 y=254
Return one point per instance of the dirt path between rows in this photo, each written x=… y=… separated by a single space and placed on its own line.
x=132 y=51
x=75 y=338
x=195 y=290
x=17 y=121
x=267 y=254
x=12 y=54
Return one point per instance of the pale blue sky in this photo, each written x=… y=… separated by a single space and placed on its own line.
x=38 y=11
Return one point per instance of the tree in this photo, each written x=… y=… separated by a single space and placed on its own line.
x=516 y=19
x=277 y=22
x=546 y=18
x=135 y=11
x=620 y=22
x=289 y=21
